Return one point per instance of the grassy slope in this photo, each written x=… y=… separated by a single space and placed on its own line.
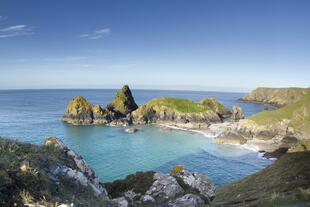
x=285 y=183
x=298 y=113
x=178 y=104
x=35 y=184
x=277 y=96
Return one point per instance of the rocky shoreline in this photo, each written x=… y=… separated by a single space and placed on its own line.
x=208 y=115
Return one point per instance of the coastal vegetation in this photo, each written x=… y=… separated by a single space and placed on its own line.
x=298 y=113
x=28 y=175
x=284 y=183
x=178 y=104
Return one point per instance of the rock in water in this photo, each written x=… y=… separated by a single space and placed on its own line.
x=237 y=113
x=131 y=130
x=123 y=101
x=79 y=111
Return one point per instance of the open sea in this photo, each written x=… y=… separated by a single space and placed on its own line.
x=33 y=115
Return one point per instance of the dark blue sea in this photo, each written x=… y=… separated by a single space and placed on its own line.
x=33 y=115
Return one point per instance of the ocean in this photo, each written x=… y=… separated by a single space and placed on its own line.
x=33 y=115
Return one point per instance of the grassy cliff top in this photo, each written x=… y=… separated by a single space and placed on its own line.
x=298 y=113
x=178 y=104
x=277 y=96
x=25 y=177
x=284 y=183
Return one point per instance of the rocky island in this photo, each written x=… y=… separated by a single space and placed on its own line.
x=165 y=110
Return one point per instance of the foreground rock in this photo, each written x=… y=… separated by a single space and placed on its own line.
x=80 y=112
x=284 y=183
x=180 y=188
x=49 y=175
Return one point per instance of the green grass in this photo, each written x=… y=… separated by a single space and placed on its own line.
x=178 y=104
x=35 y=184
x=284 y=183
x=298 y=113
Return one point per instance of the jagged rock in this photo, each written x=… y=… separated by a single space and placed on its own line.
x=123 y=101
x=230 y=138
x=188 y=200
x=147 y=199
x=164 y=188
x=301 y=146
x=85 y=174
x=120 y=202
x=237 y=113
x=199 y=182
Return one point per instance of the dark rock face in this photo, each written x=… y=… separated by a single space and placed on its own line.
x=237 y=113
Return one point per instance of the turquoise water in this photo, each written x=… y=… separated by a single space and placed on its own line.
x=32 y=115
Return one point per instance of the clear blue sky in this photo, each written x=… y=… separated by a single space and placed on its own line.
x=230 y=45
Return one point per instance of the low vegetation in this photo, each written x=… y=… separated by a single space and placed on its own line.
x=178 y=104
x=298 y=113
x=139 y=182
x=25 y=177
x=285 y=183
x=215 y=105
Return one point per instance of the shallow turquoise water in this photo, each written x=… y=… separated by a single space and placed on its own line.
x=31 y=115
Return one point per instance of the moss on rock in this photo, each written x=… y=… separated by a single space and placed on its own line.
x=216 y=106
x=123 y=101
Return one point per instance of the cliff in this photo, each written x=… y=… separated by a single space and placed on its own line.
x=284 y=183
x=48 y=175
x=278 y=97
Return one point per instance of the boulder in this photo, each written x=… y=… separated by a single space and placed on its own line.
x=197 y=182
x=164 y=188
x=237 y=113
x=131 y=130
x=188 y=200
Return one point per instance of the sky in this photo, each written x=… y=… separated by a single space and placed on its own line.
x=215 y=45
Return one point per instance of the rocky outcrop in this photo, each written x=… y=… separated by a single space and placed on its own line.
x=237 y=113
x=80 y=112
x=123 y=101
x=178 y=112
x=264 y=137
x=216 y=106
x=84 y=174
x=181 y=188
x=278 y=97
